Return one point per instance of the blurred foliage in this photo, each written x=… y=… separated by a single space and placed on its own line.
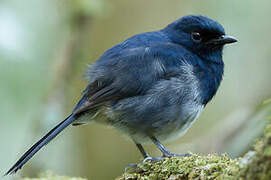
x=45 y=46
x=49 y=175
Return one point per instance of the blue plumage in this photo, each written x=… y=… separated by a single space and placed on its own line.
x=153 y=85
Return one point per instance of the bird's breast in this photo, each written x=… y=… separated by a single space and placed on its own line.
x=209 y=78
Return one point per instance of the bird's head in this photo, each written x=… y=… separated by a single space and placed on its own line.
x=201 y=35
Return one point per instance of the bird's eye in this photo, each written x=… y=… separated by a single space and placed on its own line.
x=196 y=36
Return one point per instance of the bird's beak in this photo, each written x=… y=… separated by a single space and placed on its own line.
x=223 y=40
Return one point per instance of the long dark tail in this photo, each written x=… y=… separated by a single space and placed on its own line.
x=43 y=141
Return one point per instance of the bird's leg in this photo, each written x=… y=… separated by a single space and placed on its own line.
x=146 y=156
x=165 y=152
x=142 y=150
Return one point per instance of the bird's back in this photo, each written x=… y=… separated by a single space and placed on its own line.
x=139 y=40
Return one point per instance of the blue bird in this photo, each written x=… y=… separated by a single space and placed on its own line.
x=152 y=86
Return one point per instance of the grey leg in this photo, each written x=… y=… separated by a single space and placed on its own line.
x=165 y=152
x=146 y=156
x=142 y=150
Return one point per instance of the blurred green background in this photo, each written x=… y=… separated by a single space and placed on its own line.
x=45 y=47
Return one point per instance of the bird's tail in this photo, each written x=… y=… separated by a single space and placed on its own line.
x=43 y=141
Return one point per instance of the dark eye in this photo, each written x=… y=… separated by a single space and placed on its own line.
x=196 y=36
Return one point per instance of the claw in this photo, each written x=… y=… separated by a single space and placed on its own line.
x=133 y=167
x=169 y=155
x=129 y=166
x=153 y=159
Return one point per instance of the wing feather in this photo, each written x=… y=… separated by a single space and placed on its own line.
x=131 y=73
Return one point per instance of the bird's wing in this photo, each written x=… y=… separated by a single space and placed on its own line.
x=130 y=73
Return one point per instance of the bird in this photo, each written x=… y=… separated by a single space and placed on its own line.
x=152 y=86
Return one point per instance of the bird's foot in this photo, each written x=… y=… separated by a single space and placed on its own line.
x=153 y=159
x=134 y=167
x=169 y=155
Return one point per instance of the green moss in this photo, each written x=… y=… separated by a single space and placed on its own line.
x=259 y=167
x=192 y=167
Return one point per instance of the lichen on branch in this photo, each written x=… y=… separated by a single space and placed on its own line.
x=193 y=167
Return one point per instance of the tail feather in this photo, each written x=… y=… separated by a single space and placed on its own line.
x=42 y=142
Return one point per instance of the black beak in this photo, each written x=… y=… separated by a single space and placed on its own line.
x=223 y=40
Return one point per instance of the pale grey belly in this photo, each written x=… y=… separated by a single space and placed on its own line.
x=180 y=126
x=167 y=124
x=163 y=129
